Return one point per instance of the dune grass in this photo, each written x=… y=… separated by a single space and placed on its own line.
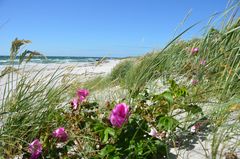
x=30 y=104
x=219 y=48
x=218 y=79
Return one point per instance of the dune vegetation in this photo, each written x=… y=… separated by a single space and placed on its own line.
x=165 y=100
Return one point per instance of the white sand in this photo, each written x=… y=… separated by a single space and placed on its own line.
x=82 y=71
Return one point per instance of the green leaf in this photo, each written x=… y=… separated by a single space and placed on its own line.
x=108 y=131
x=177 y=90
x=167 y=123
x=99 y=128
x=106 y=150
x=182 y=91
x=168 y=97
x=173 y=84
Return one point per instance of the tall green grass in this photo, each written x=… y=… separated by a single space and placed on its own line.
x=32 y=103
x=219 y=47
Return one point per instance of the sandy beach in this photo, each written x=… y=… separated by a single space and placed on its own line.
x=82 y=70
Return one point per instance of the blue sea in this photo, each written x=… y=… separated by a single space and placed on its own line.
x=5 y=60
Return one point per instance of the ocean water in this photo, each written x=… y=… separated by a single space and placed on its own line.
x=5 y=60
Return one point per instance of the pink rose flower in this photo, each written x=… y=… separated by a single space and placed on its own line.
x=75 y=103
x=82 y=94
x=60 y=134
x=35 y=148
x=194 y=51
x=119 y=115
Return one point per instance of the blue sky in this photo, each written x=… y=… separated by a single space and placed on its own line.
x=99 y=27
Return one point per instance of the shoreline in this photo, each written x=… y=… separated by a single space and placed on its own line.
x=80 y=70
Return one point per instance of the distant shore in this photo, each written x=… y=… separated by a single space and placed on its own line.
x=82 y=70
